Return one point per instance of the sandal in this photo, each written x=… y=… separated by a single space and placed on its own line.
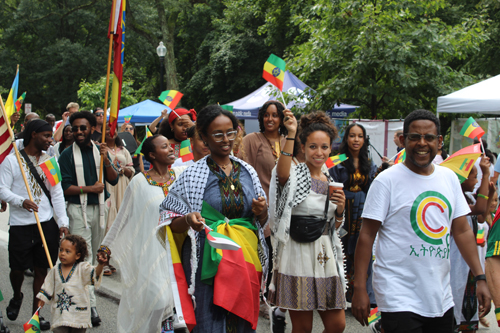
x=107 y=271
x=13 y=308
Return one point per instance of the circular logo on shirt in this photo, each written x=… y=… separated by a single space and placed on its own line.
x=276 y=72
x=424 y=211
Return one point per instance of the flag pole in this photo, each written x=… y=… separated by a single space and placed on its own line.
x=282 y=97
x=106 y=95
x=481 y=140
x=42 y=236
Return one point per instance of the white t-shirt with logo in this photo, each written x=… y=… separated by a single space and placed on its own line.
x=411 y=271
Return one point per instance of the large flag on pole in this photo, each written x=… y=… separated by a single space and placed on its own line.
x=118 y=30
x=9 y=104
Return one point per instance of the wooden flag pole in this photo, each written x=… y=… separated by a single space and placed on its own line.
x=105 y=117
x=42 y=236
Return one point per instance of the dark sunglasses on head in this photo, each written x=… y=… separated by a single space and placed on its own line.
x=99 y=114
x=82 y=128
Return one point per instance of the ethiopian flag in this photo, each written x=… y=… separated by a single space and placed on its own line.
x=51 y=170
x=374 y=315
x=471 y=129
x=235 y=274
x=33 y=325
x=19 y=101
x=274 y=71
x=9 y=104
x=480 y=237
x=400 y=157
x=227 y=107
x=170 y=98
x=334 y=160
x=462 y=161
x=148 y=134
x=186 y=152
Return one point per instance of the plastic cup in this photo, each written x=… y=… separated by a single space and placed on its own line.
x=333 y=186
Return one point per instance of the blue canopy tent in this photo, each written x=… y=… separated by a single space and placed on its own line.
x=143 y=113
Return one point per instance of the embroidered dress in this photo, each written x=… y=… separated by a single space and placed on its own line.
x=177 y=148
x=307 y=276
x=69 y=297
x=146 y=297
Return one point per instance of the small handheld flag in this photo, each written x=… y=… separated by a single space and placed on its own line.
x=480 y=237
x=170 y=98
x=334 y=160
x=19 y=101
x=186 y=152
x=400 y=157
x=274 y=71
x=227 y=107
x=33 y=325
x=127 y=119
x=220 y=241
x=374 y=315
x=471 y=129
x=51 y=170
x=462 y=161
x=148 y=134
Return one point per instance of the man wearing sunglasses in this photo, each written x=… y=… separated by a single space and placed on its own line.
x=415 y=206
x=99 y=116
x=79 y=165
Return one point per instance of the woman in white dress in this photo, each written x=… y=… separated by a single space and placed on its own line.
x=308 y=259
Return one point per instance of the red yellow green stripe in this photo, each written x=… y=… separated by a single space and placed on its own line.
x=374 y=315
x=186 y=152
x=274 y=71
x=480 y=237
x=170 y=98
x=400 y=157
x=471 y=129
x=33 y=325
x=497 y=315
x=19 y=101
x=334 y=160
x=51 y=170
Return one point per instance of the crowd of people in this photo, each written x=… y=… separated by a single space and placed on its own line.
x=400 y=237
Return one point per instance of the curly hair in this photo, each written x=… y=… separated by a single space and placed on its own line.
x=364 y=162
x=80 y=246
x=420 y=114
x=85 y=115
x=262 y=111
x=208 y=114
x=316 y=121
x=149 y=147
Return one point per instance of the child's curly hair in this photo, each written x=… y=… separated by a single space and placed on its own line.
x=80 y=246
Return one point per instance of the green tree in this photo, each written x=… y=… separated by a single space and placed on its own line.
x=387 y=56
x=91 y=95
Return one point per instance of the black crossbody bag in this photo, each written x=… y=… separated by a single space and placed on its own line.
x=36 y=175
x=307 y=229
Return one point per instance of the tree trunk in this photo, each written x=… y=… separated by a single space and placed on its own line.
x=167 y=27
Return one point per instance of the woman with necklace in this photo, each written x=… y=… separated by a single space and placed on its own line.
x=146 y=299
x=224 y=193
x=356 y=173
x=175 y=130
x=308 y=260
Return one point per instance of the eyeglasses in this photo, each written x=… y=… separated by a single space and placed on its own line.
x=231 y=135
x=418 y=137
x=82 y=128
x=99 y=114
x=129 y=128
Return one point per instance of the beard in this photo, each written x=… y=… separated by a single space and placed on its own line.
x=84 y=143
x=432 y=156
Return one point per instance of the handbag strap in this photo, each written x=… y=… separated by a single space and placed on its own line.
x=325 y=214
x=37 y=176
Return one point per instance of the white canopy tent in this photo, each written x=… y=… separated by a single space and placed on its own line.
x=482 y=97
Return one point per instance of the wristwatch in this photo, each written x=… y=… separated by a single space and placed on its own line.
x=480 y=277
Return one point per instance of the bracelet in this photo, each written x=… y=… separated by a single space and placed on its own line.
x=339 y=215
x=186 y=219
x=291 y=139
x=284 y=153
x=480 y=277
x=81 y=189
x=479 y=195
x=107 y=166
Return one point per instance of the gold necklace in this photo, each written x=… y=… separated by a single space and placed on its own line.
x=161 y=177
x=224 y=166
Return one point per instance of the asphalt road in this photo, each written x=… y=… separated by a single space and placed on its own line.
x=108 y=298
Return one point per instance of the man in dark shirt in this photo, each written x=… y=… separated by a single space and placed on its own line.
x=79 y=165
x=99 y=116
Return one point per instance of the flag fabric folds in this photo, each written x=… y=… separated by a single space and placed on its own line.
x=170 y=98
x=400 y=157
x=334 y=160
x=374 y=315
x=19 y=101
x=148 y=134
x=33 y=325
x=472 y=129
x=274 y=71
x=5 y=138
x=9 y=104
x=51 y=170
x=227 y=107
x=118 y=47
x=219 y=241
x=235 y=274
x=462 y=161
x=186 y=151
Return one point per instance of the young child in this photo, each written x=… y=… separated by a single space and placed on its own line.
x=66 y=286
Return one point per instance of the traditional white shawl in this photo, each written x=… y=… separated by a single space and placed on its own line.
x=147 y=294
x=80 y=178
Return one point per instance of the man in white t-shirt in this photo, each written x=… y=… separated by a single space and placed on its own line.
x=414 y=206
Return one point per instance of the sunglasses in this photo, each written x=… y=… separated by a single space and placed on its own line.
x=99 y=114
x=129 y=128
x=418 y=137
x=82 y=128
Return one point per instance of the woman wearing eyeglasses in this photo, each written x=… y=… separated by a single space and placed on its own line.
x=356 y=173
x=224 y=193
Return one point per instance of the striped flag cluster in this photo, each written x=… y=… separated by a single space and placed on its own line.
x=5 y=140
